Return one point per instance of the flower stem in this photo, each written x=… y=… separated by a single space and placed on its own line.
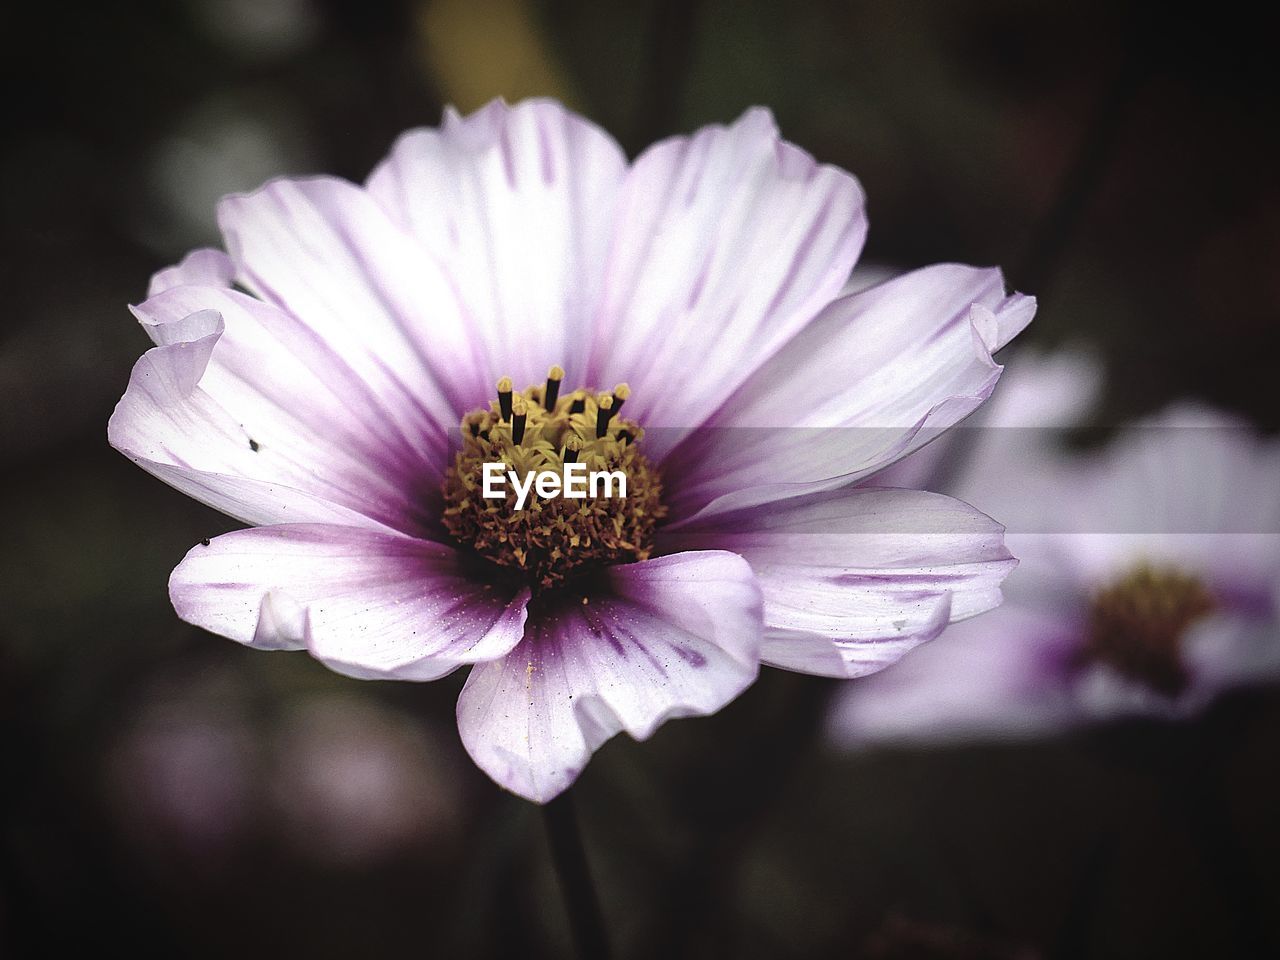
x=581 y=904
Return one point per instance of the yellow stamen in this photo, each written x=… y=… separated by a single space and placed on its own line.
x=1137 y=623
x=519 y=415
x=571 y=447
x=504 y=397
x=604 y=411
x=552 y=392
x=620 y=394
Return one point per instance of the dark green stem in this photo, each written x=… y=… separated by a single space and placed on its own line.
x=581 y=904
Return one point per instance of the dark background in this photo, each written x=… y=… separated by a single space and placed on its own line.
x=169 y=793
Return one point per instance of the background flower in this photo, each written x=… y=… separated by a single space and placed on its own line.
x=1178 y=508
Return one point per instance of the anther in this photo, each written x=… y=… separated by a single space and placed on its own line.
x=1137 y=625
x=504 y=398
x=552 y=393
x=579 y=403
x=620 y=394
x=520 y=413
x=604 y=411
x=571 y=447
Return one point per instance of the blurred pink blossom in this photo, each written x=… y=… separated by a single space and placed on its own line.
x=1149 y=576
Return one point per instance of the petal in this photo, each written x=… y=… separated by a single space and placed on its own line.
x=239 y=408
x=1046 y=390
x=323 y=251
x=366 y=603
x=517 y=203
x=877 y=375
x=1000 y=676
x=853 y=579
x=163 y=418
x=672 y=637
x=728 y=242
x=1226 y=651
x=206 y=268
x=1020 y=429
x=1189 y=487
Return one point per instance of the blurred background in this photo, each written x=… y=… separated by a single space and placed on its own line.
x=169 y=793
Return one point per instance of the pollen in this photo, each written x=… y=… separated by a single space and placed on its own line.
x=551 y=540
x=1136 y=625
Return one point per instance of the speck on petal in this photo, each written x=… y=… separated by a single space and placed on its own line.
x=228 y=370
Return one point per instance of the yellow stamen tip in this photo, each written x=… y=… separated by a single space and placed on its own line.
x=573 y=442
x=622 y=391
x=504 y=385
x=519 y=406
x=556 y=373
x=605 y=401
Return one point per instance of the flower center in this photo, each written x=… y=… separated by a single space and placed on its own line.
x=1136 y=625
x=525 y=436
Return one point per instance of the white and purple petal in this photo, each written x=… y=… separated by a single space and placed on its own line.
x=877 y=375
x=203 y=268
x=853 y=579
x=1230 y=650
x=325 y=252
x=1005 y=675
x=1016 y=435
x=366 y=603
x=672 y=637
x=727 y=243
x=240 y=407
x=1191 y=488
x=517 y=205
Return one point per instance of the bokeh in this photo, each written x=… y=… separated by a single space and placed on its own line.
x=169 y=793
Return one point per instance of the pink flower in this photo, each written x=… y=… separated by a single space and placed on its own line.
x=355 y=782
x=311 y=382
x=1149 y=580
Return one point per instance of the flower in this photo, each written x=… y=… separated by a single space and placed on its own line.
x=180 y=774
x=330 y=380
x=1149 y=580
x=354 y=782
